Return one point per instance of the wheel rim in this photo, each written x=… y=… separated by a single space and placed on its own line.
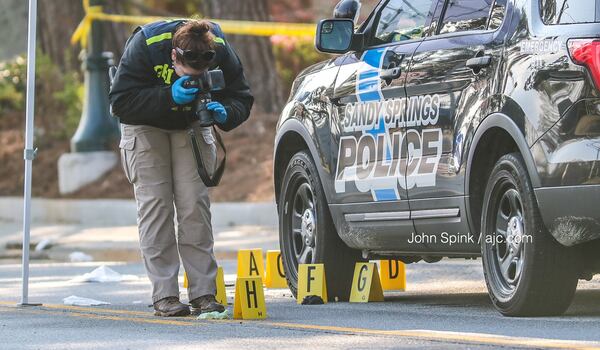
x=300 y=226
x=505 y=241
x=303 y=224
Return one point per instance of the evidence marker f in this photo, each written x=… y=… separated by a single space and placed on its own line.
x=311 y=281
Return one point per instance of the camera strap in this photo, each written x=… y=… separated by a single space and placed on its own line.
x=209 y=181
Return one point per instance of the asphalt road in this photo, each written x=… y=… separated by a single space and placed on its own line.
x=445 y=306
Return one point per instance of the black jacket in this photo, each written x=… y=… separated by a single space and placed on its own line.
x=141 y=90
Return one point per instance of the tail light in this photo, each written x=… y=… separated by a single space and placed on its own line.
x=586 y=52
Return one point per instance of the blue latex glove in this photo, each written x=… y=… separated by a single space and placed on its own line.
x=220 y=113
x=181 y=95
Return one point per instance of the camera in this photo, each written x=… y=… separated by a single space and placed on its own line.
x=206 y=82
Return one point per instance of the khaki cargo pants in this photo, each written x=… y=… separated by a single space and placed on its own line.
x=161 y=166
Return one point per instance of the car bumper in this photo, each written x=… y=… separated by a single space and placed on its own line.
x=571 y=213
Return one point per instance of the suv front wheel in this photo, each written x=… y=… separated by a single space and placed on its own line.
x=307 y=234
x=527 y=272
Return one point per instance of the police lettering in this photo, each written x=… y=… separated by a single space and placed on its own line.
x=379 y=162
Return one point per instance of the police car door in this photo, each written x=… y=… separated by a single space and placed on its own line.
x=452 y=80
x=370 y=185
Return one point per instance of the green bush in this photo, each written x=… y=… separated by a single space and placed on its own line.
x=71 y=97
x=59 y=95
x=12 y=84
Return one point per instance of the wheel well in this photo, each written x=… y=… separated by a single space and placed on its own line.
x=289 y=144
x=498 y=142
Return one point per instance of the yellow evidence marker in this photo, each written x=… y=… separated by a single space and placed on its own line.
x=311 y=281
x=365 y=284
x=393 y=275
x=220 y=282
x=221 y=297
x=274 y=275
x=250 y=263
x=249 y=301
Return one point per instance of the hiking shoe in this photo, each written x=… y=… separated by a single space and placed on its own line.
x=170 y=306
x=206 y=303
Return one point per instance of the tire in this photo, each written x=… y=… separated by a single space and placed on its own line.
x=527 y=272
x=306 y=230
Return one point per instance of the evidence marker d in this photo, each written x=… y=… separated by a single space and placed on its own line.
x=393 y=275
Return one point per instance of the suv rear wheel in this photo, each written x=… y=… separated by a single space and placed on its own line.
x=527 y=272
x=307 y=234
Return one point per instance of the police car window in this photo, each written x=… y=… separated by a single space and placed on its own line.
x=497 y=15
x=463 y=15
x=570 y=11
x=402 y=20
x=366 y=8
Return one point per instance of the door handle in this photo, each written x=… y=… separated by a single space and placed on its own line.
x=477 y=63
x=390 y=74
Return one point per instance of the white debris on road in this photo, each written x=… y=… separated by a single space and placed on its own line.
x=104 y=274
x=80 y=301
x=215 y=315
x=80 y=257
x=44 y=243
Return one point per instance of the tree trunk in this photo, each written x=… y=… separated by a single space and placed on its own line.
x=115 y=34
x=57 y=20
x=254 y=52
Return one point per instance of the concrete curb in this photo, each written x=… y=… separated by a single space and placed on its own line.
x=122 y=212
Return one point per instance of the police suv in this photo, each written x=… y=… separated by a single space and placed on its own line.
x=449 y=128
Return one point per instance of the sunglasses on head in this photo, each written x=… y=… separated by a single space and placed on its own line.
x=191 y=56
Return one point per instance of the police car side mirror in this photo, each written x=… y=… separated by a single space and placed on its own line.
x=336 y=36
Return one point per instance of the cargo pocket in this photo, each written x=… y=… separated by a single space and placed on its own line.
x=127 y=145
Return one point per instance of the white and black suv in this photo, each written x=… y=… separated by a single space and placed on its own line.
x=449 y=128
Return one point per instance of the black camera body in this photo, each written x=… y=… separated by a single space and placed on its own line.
x=206 y=82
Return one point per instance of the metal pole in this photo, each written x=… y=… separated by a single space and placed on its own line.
x=29 y=153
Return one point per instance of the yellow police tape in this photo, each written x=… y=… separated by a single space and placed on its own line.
x=94 y=13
